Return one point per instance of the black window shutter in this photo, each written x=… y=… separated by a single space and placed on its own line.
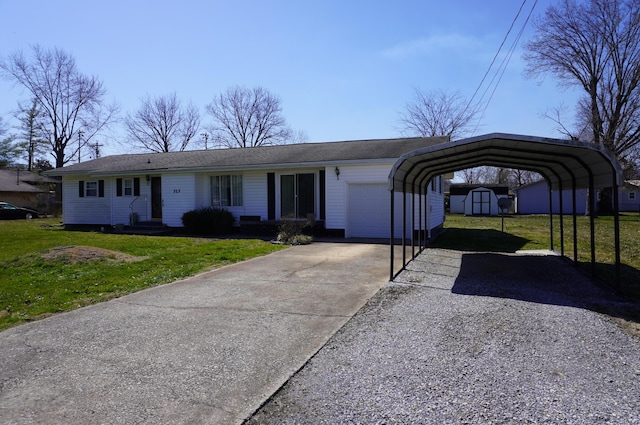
x=118 y=187
x=271 y=196
x=323 y=196
x=81 y=188
x=136 y=186
x=101 y=188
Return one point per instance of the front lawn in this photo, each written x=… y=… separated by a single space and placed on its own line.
x=45 y=269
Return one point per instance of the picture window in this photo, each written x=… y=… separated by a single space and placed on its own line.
x=226 y=191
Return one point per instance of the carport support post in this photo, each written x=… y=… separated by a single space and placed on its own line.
x=616 y=224
x=413 y=221
x=550 y=217
x=575 y=220
x=404 y=223
x=592 y=224
x=419 y=218
x=561 y=219
x=422 y=186
x=426 y=213
x=391 y=236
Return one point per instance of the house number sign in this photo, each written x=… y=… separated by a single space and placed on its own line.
x=176 y=190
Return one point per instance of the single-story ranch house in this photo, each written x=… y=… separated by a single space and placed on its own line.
x=24 y=188
x=533 y=198
x=342 y=185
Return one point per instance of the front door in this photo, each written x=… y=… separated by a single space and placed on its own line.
x=297 y=195
x=156 y=198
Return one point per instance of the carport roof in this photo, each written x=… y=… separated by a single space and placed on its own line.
x=559 y=161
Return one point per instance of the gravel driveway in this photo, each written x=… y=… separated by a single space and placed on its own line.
x=463 y=338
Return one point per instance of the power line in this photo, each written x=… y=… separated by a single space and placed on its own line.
x=505 y=62
x=503 y=65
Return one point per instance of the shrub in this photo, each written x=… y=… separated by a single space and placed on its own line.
x=291 y=232
x=208 y=221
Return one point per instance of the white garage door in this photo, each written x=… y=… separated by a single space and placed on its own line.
x=369 y=215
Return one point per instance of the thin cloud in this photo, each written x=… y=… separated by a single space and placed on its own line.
x=430 y=45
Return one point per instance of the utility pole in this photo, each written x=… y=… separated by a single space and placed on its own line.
x=96 y=147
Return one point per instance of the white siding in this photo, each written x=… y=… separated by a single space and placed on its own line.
x=338 y=200
x=336 y=189
x=123 y=205
x=436 y=210
x=456 y=204
x=178 y=197
x=182 y=192
x=254 y=192
x=86 y=210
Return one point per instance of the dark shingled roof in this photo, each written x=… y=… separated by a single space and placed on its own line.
x=257 y=157
x=463 y=189
x=9 y=181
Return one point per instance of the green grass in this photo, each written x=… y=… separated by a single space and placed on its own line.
x=532 y=232
x=33 y=287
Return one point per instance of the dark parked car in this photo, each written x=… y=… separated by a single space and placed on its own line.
x=10 y=212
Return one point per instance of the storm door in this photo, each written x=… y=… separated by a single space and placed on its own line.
x=297 y=195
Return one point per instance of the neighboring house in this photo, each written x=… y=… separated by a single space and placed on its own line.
x=476 y=199
x=23 y=188
x=533 y=198
x=343 y=185
x=629 y=196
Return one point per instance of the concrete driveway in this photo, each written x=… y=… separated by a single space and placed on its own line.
x=209 y=349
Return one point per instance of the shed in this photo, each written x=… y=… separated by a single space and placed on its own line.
x=476 y=199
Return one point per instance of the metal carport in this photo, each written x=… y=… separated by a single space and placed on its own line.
x=563 y=163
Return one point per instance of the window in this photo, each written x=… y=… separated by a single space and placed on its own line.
x=632 y=196
x=226 y=191
x=436 y=184
x=91 y=189
x=128 y=187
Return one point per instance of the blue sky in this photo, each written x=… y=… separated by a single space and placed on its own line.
x=343 y=69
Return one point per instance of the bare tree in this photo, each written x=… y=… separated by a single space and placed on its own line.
x=246 y=118
x=436 y=113
x=71 y=102
x=519 y=178
x=162 y=124
x=471 y=175
x=498 y=175
x=594 y=45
